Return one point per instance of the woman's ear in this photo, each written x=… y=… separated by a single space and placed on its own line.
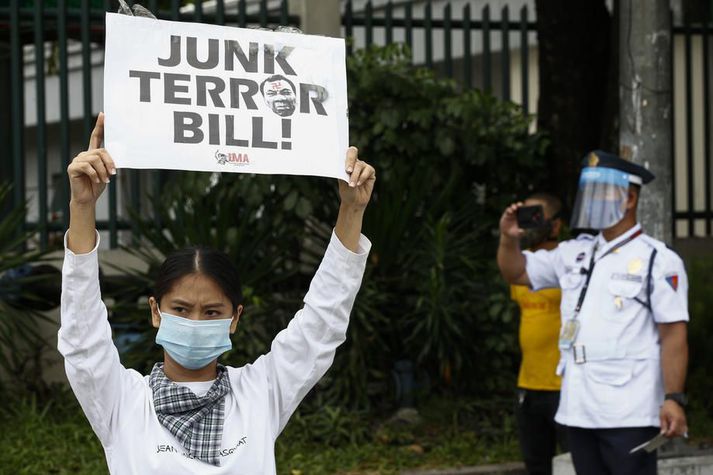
x=155 y=313
x=236 y=318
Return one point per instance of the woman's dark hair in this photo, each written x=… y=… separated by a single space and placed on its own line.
x=199 y=260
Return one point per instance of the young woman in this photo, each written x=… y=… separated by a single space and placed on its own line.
x=191 y=414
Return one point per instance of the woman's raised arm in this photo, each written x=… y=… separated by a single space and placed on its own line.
x=88 y=173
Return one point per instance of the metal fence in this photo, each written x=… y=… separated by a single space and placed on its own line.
x=70 y=34
x=55 y=49
x=460 y=44
x=692 y=186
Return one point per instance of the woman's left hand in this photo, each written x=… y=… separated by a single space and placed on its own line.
x=362 y=177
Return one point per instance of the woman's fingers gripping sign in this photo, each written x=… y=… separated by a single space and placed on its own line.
x=362 y=177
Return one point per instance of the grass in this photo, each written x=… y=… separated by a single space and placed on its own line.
x=55 y=438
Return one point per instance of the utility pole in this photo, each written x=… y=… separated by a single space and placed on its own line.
x=645 y=106
x=317 y=17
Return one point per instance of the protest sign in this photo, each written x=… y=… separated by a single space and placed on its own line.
x=190 y=96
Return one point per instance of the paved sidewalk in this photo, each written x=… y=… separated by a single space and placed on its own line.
x=510 y=468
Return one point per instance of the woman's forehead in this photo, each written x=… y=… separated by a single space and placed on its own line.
x=196 y=287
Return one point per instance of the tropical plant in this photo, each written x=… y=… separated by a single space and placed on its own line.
x=27 y=286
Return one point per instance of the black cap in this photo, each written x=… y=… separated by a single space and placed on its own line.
x=599 y=158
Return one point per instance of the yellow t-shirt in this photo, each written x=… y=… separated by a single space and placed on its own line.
x=539 y=334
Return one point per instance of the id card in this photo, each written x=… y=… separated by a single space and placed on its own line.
x=568 y=334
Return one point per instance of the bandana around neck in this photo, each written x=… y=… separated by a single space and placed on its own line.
x=197 y=422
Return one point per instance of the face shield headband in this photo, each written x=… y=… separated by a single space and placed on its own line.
x=601 y=197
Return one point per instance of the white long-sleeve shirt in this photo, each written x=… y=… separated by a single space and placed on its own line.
x=119 y=402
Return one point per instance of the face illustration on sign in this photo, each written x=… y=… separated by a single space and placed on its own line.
x=280 y=95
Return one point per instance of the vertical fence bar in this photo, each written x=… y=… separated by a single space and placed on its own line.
x=689 y=129
x=707 y=123
x=349 y=26
x=408 y=27
x=487 y=83
x=389 y=26
x=368 y=24
x=263 y=13
x=17 y=85
x=135 y=197
x=63 y=104
x=113 y=231
x=113 y=203
x=242 y=14
x=447 y=46
x=284 y=13
x=505 y=55
x=467 y=53
x=41 y=123
x=198 y=11
x=220 y=12
x=428 y=32
x=524 y=61
x=86 y=69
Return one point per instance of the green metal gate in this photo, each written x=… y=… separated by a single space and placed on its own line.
x=72 y=31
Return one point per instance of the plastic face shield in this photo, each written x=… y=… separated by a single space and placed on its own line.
x=601 y=198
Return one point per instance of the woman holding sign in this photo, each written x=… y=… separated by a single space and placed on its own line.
x=191 y=414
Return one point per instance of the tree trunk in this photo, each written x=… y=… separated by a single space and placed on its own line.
x=577 y=104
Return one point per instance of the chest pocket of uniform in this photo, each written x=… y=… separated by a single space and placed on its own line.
x=624 y=292
x=571 y=284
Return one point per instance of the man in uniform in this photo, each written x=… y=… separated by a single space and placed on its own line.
x=623 y=340
x=538 y=386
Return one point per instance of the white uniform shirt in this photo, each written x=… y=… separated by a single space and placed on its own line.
x=619 y=384
x=119 y=402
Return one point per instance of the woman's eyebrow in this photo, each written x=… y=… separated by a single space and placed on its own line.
x=214 y=304
x=181 y=302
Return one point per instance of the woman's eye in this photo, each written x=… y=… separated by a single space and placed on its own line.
x=179 y=309
x=212 y=313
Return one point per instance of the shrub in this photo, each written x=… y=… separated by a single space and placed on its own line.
x=27 y=286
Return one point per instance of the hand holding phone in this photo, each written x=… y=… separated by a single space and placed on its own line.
x=529 y=217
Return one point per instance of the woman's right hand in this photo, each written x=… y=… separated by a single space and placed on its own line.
x=89 y=172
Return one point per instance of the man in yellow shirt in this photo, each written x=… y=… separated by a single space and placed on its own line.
x=538 y=385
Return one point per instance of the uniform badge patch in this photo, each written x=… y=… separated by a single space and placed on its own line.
x=634 y=266
x=672 y=280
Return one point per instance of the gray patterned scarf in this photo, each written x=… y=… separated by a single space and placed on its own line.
x=197 y=422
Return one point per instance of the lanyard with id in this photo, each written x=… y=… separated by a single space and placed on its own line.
x=570 y=328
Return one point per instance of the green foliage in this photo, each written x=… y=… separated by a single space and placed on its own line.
x=447 y=163
x=21 y=345
x=41 y=438
x=53 y=437
x=700 y=335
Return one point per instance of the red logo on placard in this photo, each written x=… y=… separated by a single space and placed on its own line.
x=231 y=158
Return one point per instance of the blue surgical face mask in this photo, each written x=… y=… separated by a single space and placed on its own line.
x=193 y=343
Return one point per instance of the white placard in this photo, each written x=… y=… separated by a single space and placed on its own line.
x=191 y=96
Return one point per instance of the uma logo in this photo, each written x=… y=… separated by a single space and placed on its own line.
x=237 y=159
